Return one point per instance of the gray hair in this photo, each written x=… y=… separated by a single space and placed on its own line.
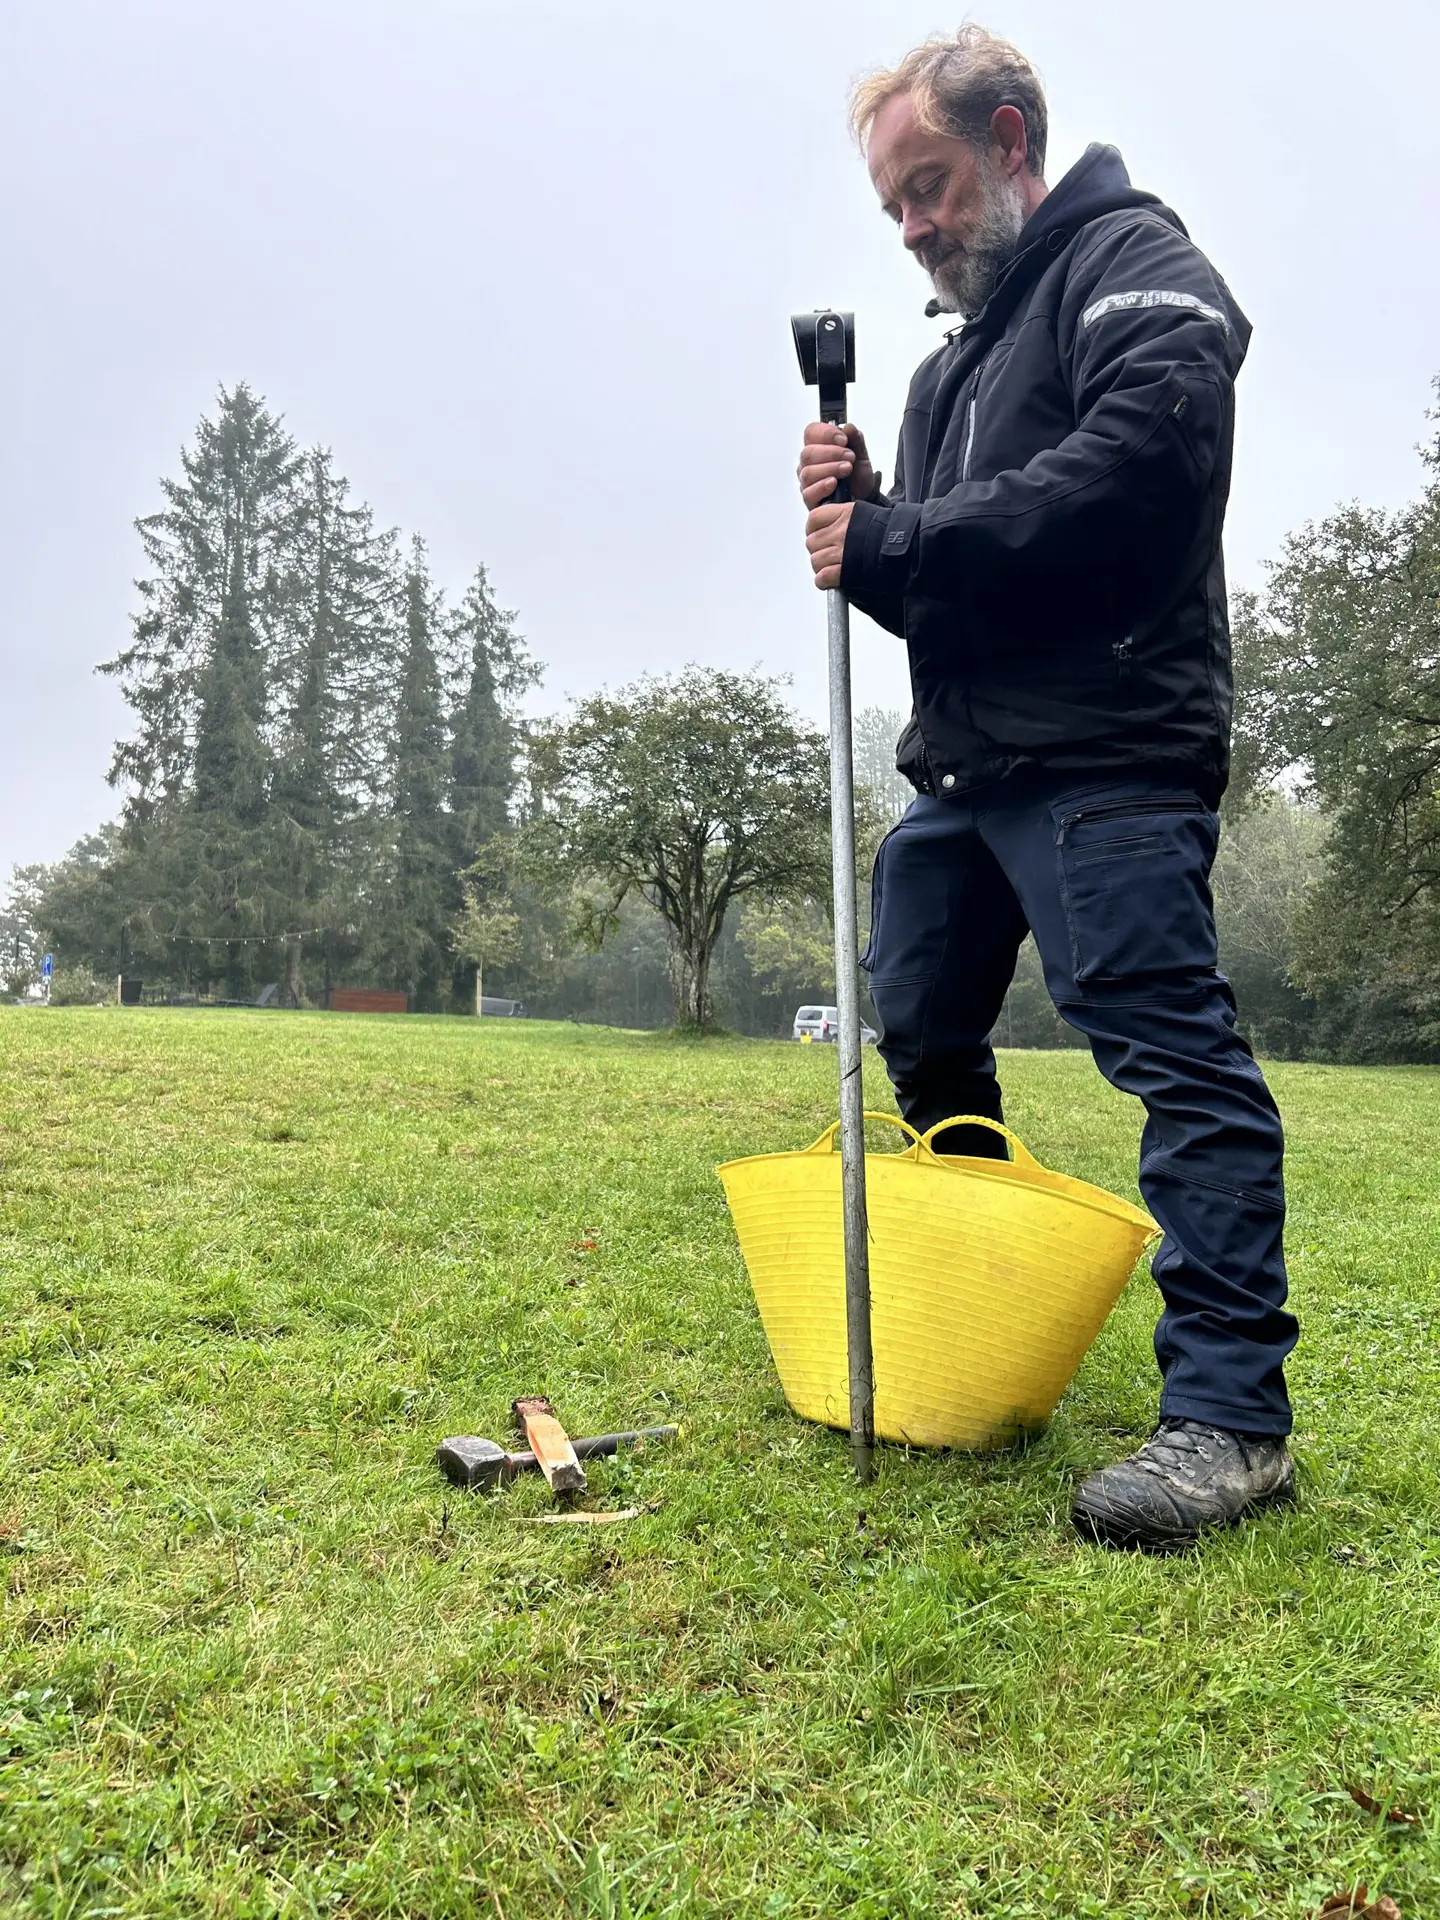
x=955 y=86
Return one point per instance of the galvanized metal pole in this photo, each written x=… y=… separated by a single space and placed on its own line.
x=847 y=996
x=825 y=343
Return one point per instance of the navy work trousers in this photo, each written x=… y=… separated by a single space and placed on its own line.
x=1112 y=877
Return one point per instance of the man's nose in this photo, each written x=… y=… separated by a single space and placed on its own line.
x=916 y=227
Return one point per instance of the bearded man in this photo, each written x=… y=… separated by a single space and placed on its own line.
x=1050 y=553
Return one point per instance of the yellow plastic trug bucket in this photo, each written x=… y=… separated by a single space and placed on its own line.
x=988 y=1281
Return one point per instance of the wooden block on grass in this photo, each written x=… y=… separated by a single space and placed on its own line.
x=550 y=1444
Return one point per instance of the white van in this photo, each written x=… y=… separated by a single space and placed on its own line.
x=823 y=1023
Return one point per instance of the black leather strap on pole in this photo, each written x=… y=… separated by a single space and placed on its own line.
x=825 y=343
x=833 y=365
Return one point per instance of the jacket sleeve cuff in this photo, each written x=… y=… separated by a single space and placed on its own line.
x=879 y=549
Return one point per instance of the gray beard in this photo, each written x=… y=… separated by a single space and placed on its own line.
x=966 y=280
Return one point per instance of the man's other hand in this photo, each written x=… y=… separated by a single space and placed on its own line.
x=825 y=532
x=831 y=454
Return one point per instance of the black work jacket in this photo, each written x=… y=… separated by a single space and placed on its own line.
x=1050 y=550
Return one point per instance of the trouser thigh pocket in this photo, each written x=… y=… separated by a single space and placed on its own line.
x=877 y=885
x=1135 y=882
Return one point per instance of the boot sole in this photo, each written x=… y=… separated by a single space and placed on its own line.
x=1108 y=1529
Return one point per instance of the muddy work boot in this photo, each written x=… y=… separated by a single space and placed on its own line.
x=1186 y=1479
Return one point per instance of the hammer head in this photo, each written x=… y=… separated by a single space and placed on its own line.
x=472 y=1462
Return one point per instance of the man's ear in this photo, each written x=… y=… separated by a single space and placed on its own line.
x=1007 y=130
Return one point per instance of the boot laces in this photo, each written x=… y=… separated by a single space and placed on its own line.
x=1182 y=1448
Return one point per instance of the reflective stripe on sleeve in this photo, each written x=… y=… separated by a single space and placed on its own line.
x=1152 y=297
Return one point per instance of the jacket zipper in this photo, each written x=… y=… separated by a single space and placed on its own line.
x=1107 y=808
x=970 y=416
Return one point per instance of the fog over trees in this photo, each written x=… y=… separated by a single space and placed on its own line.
x=319 y=740
x=328 y=780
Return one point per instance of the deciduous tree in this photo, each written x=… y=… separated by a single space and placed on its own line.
x=488 y=928
x=694 y=792
x=1340 y=661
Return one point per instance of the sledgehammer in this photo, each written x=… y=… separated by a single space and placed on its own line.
x=472 y=1462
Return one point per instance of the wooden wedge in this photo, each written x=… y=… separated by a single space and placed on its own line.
x=550 y=1444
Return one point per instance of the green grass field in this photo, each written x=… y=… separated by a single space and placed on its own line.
x=257 y=1660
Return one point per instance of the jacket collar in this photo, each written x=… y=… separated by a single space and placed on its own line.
x=1097 y=184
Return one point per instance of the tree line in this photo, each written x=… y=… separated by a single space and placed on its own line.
x=329 y=780
x=320 y=742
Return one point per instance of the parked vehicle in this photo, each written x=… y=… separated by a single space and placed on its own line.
x=823 y=1023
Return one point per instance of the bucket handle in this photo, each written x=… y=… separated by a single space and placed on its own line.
x=1023 y=1155
x=826 y=1142
x=925 y=1141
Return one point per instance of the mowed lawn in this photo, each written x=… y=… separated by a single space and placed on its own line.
x=259 y=1660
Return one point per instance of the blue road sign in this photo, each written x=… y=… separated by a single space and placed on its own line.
x=47 y=966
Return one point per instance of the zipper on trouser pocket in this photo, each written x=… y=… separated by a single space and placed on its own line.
x=1108 y=807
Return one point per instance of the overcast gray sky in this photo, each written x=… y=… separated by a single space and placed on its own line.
x=527 y=268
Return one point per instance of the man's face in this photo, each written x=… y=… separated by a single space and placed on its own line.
x=959 y=212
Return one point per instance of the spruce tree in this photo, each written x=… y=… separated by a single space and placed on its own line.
x=491 y=669
x=482 y=760
x=231 y=759
x=423 y=896
x=217 y=840
x=318 y=750
x=332 y=698
x=194 y=859
x=229 y=520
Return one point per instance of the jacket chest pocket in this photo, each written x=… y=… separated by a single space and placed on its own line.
x=968 y=415
x=976 y=431
x=1018 y=406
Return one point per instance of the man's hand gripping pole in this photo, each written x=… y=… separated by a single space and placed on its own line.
x=825 y=342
